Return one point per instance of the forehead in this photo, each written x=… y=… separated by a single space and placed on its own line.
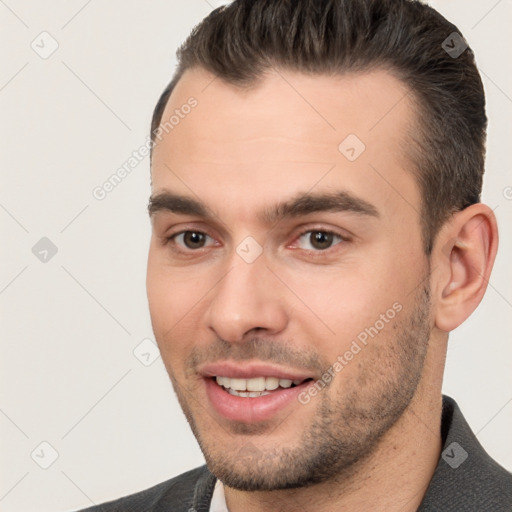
x=287 y=133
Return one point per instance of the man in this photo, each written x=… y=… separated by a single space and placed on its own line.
x=317 y=233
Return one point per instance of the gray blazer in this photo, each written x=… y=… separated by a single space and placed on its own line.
x=466 y=480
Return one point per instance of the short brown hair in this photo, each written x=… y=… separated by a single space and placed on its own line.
x=240 y=42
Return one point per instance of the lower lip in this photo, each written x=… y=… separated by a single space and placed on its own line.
x=251 y=409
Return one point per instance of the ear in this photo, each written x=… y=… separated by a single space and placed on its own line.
x=463 y=258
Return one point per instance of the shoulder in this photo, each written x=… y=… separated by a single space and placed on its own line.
x=179 y=494
x=467 y=477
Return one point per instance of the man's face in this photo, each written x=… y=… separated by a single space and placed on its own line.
x=287 y=285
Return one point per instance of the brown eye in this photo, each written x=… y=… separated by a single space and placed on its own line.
x=190 y=239
x=193 y=239
x=319 y=240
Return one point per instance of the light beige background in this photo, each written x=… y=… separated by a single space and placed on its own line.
x=69 y=376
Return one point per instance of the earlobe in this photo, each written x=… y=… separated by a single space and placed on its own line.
x=465 y=253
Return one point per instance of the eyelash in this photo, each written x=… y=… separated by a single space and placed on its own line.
x=315 y=253
x=320 y=252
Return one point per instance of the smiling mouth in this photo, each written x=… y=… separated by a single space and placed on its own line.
x=256 y=386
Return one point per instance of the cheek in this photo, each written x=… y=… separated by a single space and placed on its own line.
x=176 y=298
x=339 y=305
x=167 y=298
x=166 y=310
x=170 y=290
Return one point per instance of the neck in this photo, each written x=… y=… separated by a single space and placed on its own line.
x=394 y=477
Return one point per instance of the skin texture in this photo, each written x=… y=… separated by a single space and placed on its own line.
x=369 y=440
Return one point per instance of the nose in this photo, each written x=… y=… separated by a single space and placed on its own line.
x=246 y=299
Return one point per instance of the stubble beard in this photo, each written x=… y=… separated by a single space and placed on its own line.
x=347 y=425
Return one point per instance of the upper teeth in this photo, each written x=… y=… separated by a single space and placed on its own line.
x=256 y=383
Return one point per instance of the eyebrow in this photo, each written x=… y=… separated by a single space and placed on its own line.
x=300 y=205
